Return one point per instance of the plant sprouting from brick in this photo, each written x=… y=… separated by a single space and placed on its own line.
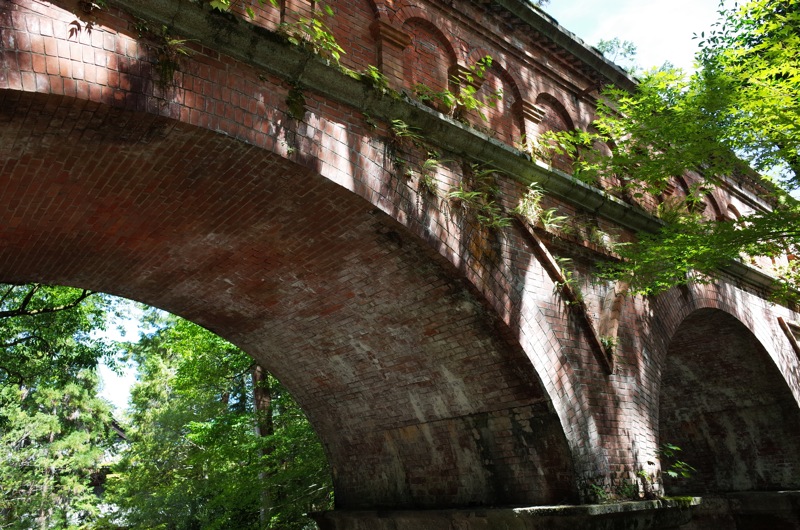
x=464 y=100
x=376 y=79
x=530 y=208
x=478 y=196
x=603 y=239
x=427 y=174
x=609 y=343
x=370 y=121
x=628 y=490
x=402 y=131
x=168 y=50
x=568 y=285
x=427 y=184
x=598 y=493
x=550 y=219
x=648 y=484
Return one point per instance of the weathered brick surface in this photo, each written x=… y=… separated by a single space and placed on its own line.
x=432 y=355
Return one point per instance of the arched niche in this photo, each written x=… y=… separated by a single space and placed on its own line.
x=429 y=58
x=555 y=119
x=502 y=117
x=350 y=25
x=725 y=404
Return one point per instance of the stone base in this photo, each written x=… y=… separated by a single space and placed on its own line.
x=639 y=515
x=748 y=510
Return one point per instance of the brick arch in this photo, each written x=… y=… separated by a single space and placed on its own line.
x=724 y=401
x=716 y=211
x=210 y=199
x=430 y=56
x=417 y=397
x=732 y=213
x=556 y=118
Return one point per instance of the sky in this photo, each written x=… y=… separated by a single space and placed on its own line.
x=116 y=387
x=661 y=29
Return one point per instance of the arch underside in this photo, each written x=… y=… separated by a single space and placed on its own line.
x=726 y=405
x=418 y=394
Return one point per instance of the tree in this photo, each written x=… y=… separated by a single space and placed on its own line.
x=54 y=441
x=741 y=107
x=619 y=51
x=45 y=332
x=202 y=454
x=54 y=430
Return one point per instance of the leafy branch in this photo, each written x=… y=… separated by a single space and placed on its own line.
x=24 y=308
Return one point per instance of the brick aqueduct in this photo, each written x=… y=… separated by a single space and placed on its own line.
x=271 y=197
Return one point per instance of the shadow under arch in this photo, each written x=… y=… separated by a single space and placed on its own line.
x=415 y=389
x=726 y=405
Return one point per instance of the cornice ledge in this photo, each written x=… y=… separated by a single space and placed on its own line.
x=549 y=27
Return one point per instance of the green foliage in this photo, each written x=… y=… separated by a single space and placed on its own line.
x=478 y=195
x=427 y=177
x=609 y=343
x=659 y=261
x=402 y=131
x=597 y=493
x=619 y=51
x=45 y=332
x=54 y=431
x=628 y=490
x=168 y=50
x=226 y=5
x=743 y=103
x=465 y=99
x=54 y=439
x=310 y=32
x=530 y=208
x=569 y=285
x=314 y=34
x=376 y=78
x=674 y=468
x=202 y=454
x=751 y=61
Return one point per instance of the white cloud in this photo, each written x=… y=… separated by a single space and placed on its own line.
x=661 y=29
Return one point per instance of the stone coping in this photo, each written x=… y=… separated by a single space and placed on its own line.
x=566 y=510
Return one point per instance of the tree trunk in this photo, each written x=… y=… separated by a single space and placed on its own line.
x=262 y=399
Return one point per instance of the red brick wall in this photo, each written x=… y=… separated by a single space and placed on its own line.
x=432 y=355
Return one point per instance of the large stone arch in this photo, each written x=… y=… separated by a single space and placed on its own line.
x=724 y=401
